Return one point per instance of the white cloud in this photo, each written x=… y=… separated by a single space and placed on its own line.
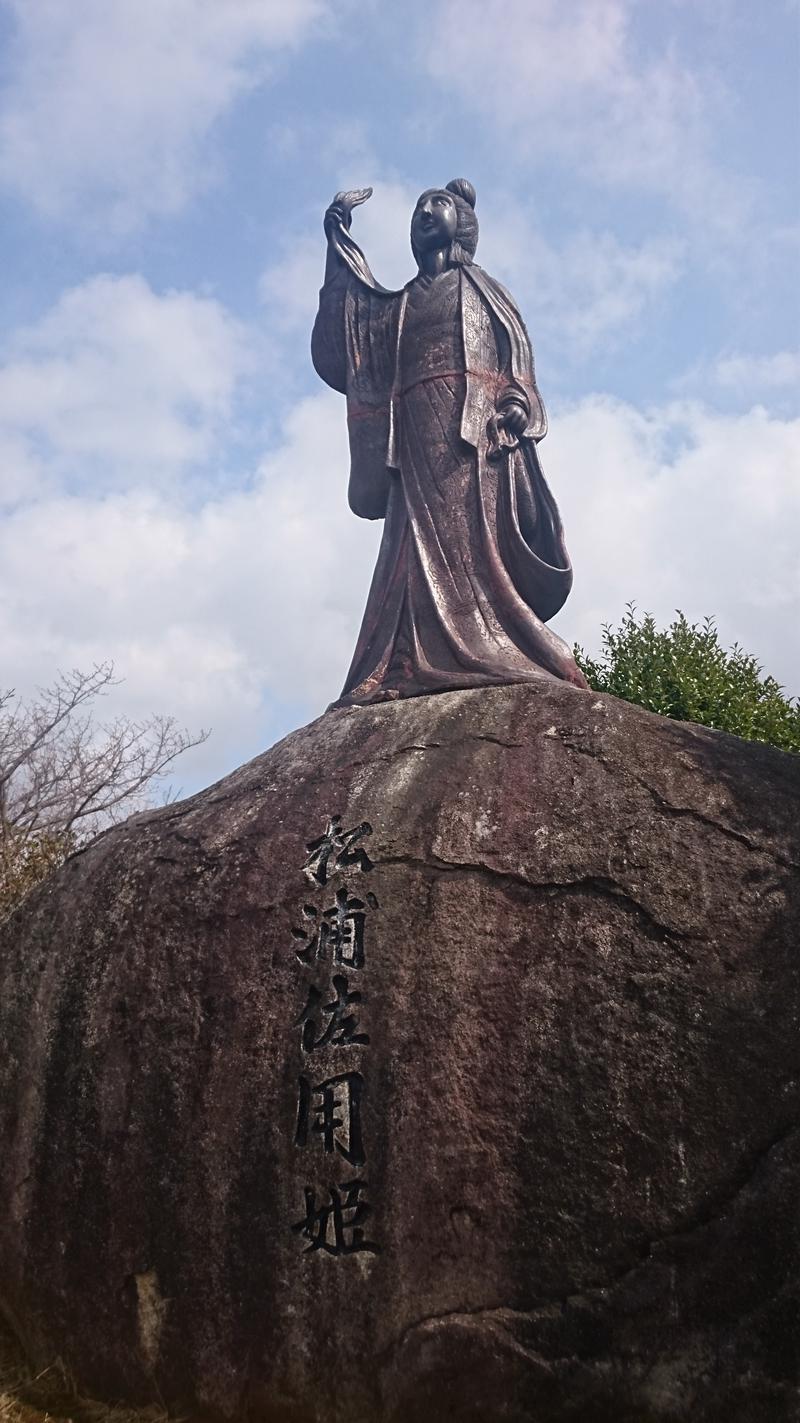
x=584 y=292
x=201 y=597
x=289 y=287
x=112 y=101
x=595 y=287
x=571 y=81
x=681 y=507
x=740 y=380
x=759 y=373
x=117 y=383
x=216 y=613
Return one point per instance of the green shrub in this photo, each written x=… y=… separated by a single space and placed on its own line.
x=683 y=672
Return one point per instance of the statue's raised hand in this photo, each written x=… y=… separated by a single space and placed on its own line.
x=341 y=209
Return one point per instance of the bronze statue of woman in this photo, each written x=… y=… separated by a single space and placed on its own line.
x=444 y=417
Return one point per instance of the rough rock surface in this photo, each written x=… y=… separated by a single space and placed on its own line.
x=579 y=1097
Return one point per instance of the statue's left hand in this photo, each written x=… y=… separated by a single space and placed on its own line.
x=507 y=426
x=515 y=418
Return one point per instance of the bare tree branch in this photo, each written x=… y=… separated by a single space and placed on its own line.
x=64 y=776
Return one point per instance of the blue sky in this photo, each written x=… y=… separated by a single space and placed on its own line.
x=172 y=472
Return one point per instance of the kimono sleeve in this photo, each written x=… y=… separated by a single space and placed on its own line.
x=354 y=350
x=328 y=344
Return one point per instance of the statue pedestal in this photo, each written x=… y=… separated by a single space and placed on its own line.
x=475 y=1102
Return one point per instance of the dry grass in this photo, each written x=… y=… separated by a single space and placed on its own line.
x=49 y=1397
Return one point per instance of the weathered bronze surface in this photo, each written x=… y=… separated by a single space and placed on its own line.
x=444 y=417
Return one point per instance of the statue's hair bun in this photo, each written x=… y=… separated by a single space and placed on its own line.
x=462 y=188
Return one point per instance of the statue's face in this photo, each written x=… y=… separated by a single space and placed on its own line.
x=434 y=222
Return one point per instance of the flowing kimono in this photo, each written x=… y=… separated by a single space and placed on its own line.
x=472 y=561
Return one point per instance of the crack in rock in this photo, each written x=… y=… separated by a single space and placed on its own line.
x=596 y=884
x=678 y=811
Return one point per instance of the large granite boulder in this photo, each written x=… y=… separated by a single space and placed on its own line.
x=442 y=1063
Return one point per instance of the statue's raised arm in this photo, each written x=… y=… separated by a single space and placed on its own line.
x=444 y=416
x=337 y=221
x=341 y=247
